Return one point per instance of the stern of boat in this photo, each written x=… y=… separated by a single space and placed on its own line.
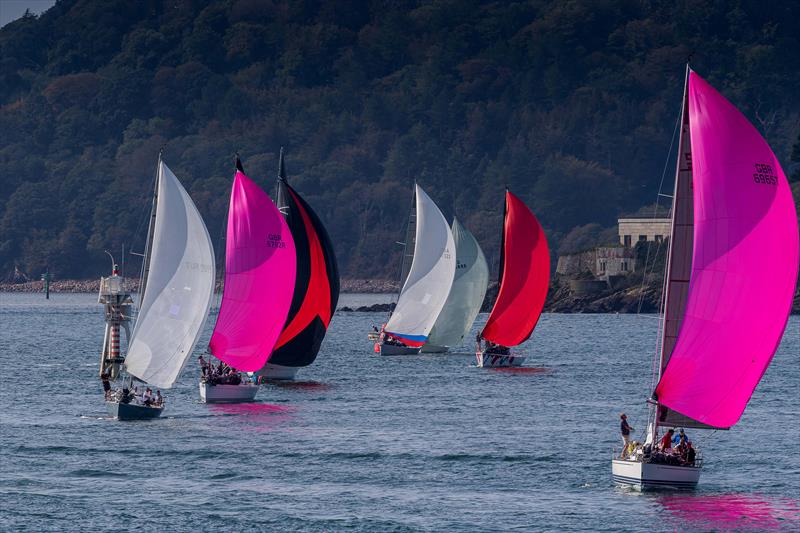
x=491 y=360
x=393 y=349
x=645 y=476
x=433 y=348
x=244 y=392
x=278 y=372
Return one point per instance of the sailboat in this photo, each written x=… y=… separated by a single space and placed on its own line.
x=259 y=282
x=731 y=272
x=175 y=296
x=524 y=277
x=316 y=286
x=427 y=284
x=466 y=295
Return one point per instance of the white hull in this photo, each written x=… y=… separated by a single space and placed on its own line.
x=280 y=372
x=490 y=360
x=391 y=349
x=432 y=348
x=228 y=393
x=650 y=475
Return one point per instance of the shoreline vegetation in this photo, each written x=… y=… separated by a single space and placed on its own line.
x=632 y=298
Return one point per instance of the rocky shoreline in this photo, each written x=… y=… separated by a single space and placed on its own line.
x=632 y=298
x=370 y=286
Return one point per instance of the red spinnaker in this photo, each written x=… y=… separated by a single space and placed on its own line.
x=524 y=277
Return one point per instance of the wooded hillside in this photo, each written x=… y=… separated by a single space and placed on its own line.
x=571 y=104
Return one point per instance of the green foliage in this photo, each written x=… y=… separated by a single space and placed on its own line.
x=570 y=104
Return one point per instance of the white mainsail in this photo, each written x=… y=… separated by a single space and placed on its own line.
x=467 y=293
x=179 y=287
x=431 y=276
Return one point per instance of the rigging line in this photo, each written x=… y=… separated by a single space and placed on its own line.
x=655 y=207
x=144 y=212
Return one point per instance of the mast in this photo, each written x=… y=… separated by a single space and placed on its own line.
x=410 y=238
x=679 y=255
x=150 y=230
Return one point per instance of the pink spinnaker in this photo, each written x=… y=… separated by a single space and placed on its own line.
x=259 y=279
x=744 y=265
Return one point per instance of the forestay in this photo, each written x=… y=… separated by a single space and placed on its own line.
x=431 y=276
x=467 y=293
x=179 y=287
x=259 y=279
x=744 y=265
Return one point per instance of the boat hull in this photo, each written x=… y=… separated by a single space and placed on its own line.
x=245 y=392
x=491 y=360
x=278 y=372
x=653 y=476
x=131 y=411
x=433 y=348
x=392 y=349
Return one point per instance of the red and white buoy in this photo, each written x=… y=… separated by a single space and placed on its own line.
x=117 y=302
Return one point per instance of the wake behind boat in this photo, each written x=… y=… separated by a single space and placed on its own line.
x=524 y=278
x=732 y=212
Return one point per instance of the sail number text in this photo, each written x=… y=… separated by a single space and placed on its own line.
x=764 y=174
x=274 y=240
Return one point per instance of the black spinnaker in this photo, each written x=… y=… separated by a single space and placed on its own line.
x=316 y=291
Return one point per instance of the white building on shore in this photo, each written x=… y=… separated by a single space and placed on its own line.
x=640 y=229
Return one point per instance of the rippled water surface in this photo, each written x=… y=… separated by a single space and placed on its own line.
x=376 y=444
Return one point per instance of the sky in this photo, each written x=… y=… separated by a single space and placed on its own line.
x=14 y=9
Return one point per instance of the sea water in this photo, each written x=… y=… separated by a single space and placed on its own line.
x=369 y=443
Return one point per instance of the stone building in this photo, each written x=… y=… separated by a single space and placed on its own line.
x=614 y=261
x=637 y=229
x=602 y=262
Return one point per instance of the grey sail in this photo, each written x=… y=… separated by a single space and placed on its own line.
x=467 y=293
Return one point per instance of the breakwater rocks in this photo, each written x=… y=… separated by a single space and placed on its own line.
x=562 y=297
x=64 y=285
x=369 y=286
x=374 y=308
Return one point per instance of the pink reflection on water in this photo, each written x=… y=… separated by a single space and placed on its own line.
x=740 y=512
x=519 y=370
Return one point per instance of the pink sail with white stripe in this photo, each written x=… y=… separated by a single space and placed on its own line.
x=259 y=279
x=744 y=265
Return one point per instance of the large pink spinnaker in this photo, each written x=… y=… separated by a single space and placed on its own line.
x=259 y=279
x=744 y=265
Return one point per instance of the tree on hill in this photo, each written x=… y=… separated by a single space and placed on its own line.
x=569 y=104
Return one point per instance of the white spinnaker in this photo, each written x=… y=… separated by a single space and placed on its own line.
x=179 y=289
x=431 y=276
x=467 y=293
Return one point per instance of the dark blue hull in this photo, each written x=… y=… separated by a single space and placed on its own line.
x=131 y=411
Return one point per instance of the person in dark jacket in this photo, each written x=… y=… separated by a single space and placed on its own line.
x=625 y=429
